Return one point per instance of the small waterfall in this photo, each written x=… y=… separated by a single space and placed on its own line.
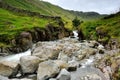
x=87 y=62
x=75 y=34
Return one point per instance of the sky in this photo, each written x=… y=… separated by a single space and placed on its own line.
x=100 y=6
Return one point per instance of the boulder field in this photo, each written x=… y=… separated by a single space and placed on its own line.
x=64 y=59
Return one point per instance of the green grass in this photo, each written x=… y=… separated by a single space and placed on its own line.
x=11 y=24
x=111 y=26
x=52 y=10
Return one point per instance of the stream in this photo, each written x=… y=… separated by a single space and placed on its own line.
x=84 y=70
x=15 y=57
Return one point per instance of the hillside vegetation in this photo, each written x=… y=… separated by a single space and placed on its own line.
x=17 y=16
x=49 y=9
x=13 y=22
x=104 y=29
x=12 y=25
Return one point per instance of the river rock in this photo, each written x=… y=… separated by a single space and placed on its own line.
x=22 y=79
x=91 y=77
x=63 y=57
x=52 y=79
x=70 y=49
x=64 y=75
x=62 y=64
x=29 y=64
x=3 y=78
x=46 y=70
x=24 y=41
x=8 y=68
x=100 y=47
x=73 y=65
x=88 y=51
x=81 y=56
x=94 y=44
x=47 y=50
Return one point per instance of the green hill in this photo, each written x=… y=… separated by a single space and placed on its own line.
x=49 y=9
x=104 y=29
x=17 y=16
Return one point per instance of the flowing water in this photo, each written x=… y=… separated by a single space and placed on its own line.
x=15 y=57
x=85 y=69
x=75 y=34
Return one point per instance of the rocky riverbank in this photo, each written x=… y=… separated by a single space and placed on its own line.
x=25 y=39
x=64 y=59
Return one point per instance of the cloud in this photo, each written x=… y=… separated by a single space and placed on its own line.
x=101 y=6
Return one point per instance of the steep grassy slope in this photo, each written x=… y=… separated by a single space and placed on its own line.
x=17 y=16
x=46 y=8
x=12 y=25
x=105 y=28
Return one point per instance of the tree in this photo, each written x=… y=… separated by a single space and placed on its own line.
x=76 y=22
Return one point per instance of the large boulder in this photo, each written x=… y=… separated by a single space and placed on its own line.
x=73 y=65
x=62 y=56
x=91 y=77
x=29 y=64
x=47 y=70
x=62 y=64
x=46 y=50
x=3 y=78
x=24 y=41
x=22 y=79
x=64 y=75
x=8 y=68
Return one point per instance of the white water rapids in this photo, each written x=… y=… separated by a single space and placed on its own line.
x=15 y=57
x=86 y=64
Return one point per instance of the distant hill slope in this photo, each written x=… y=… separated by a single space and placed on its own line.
x=104 y=30
x=17 y=16
x=50 y=9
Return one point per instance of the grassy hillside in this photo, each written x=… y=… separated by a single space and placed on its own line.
x=46 y=8
x=11 y=25
x=12 y=22
x=108 y=27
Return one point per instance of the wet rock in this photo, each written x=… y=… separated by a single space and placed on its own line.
x=118 y=61
x=113 y=43
x=73 y=65
x=3 y=54
x=100 y=47
x=107 y=72
x=47 y=70
x=63 y=57
x=69 y=49
x=94 y=44
x=3 y=78
x=8 y=69
x=22 y=79
x=52 y=79
x=91 y=77
x=81 y=56
x=91 y=51
x=64 y=75
x=29 y=64
x=62 y=64
x=101 y=51
x=24 y=41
